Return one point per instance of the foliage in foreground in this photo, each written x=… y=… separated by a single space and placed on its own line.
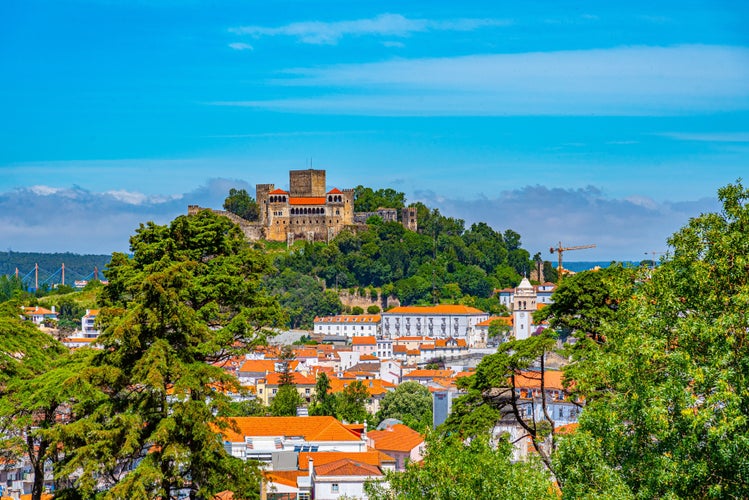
x=454 y=469
x=667 y=385
x=190 y=296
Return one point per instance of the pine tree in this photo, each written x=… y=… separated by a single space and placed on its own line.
x=190 y=296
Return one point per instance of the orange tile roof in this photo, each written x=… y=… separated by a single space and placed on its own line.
x=429 y=374
x=532 y=380
x=285 y=477
x=347 y=467
x=371 y=457
x=278 y=191
x=311 y=428
x=274 y=378
x=396 y=438
x=368 y=340
x=91 y=313
x=335 y=191
x=305 y=353
x=307 y=200
x=368 y=357
x=439 y=309
x=507 y=320
x=260 y=366
x=399 y=348
x=37 y=310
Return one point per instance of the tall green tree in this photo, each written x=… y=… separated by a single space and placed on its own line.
x=323 y=403
x=239 y=202
x=191 y=295
x=667 y=391
x=411 y=403
x=33 y=395
x=351 y=403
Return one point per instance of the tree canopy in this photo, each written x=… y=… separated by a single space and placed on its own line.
x=239 y=202
x=190 y=295
x=411 y=403
x=667 y=389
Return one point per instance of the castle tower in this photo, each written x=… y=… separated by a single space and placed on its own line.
x=307 y=183
x=523 y=307
x=262 y=193
x=408 y=218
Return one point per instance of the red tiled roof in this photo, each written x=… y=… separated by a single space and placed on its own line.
x=532 y=380
x=278 y=191
x=396 y=438
x=307 y=200
x=311 y=428
x=285 y=477
x=439 y=309
x=261 y=366
x=429 y=374
x=507 y=320
x=274 y=378
x=369 y=340
x=347 y=467
x=371 y=457
x=335 y=191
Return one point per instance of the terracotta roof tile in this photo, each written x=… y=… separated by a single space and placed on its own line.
x=347 y=467
x=311 y=428
x=438 y=309
x=307 y=200
x=368 y=340
x=396 y=438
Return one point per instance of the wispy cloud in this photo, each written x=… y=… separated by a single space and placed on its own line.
x=46 y=218
x=708 y=136
x=621 y=81
x=240 y=46
x=621 y=228
x=393 y=25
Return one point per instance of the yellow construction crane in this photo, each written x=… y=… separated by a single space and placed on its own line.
x=560 y=250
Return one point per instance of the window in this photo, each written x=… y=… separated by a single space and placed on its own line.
x=334 y=487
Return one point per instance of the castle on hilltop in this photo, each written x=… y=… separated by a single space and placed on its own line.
x=307 y=211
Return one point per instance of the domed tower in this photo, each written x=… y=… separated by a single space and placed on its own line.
x=523 y=306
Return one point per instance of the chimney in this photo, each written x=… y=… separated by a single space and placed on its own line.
x=311 y=467
x=53 y=308
x=364 y=432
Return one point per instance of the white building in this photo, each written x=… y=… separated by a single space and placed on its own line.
x=348 y=325
x=441 y=321
x=524 y=305
x=258 y=438
x=88 y=330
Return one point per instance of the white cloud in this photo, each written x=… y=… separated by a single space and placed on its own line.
x=330 y=33
x=240 y=46
x=83 y=221
x=622 y=229
x=621 y=81
x=44 y=190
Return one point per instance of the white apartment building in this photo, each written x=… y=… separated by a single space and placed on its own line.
x=441 y=321
x=348 y=325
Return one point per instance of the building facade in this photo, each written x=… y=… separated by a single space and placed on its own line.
x=441 y=321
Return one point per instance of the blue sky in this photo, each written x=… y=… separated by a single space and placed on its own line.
x=582 y=122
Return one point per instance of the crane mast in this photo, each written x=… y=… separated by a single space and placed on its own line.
x=560 y=251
